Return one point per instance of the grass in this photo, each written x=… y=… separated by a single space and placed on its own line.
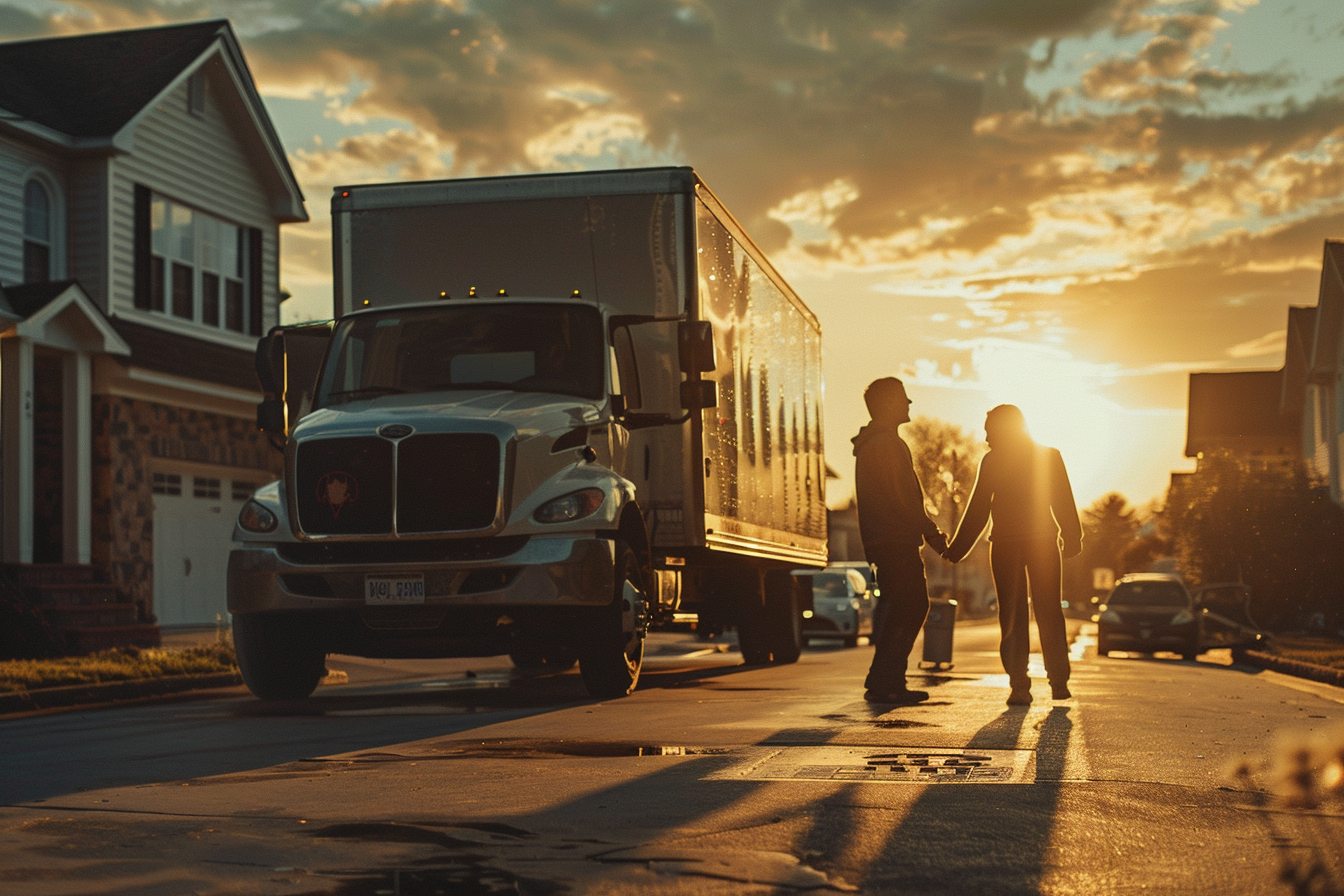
x=124 y=664
x=1308 y=649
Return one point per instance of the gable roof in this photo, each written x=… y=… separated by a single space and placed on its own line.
x=1239 y=411
x=1324 y=357
x=91 y=85
x=1296 y=355
x=87 y=91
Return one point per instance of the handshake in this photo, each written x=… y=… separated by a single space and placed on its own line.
x=939 y=544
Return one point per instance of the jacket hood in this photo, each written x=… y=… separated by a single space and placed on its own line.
x=870 y=430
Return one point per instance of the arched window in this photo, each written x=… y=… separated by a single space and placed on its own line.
x=37 y=233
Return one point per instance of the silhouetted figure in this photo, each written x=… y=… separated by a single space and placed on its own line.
x=892 y=525
x=1025 y=489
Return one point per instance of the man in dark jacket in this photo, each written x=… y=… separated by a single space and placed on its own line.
x=892 y=525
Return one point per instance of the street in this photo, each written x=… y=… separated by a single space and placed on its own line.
x=462 y=776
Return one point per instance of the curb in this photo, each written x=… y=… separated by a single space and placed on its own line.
x=1298 y=668
x=110 y=692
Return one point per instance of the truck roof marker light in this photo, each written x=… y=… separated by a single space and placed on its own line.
x=471 y=293
x=576 y=295
x=366 y=301
x=345 y=193
x=503 y=293
x=443 y=294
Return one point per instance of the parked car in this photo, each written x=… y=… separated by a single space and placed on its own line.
x=1150 y=612
x=842 y=604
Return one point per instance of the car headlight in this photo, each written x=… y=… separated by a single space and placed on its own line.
x=256 y=518
x=1182 y=618
x=574 y=506
x=1111 y=617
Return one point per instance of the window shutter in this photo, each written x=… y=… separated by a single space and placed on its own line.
x=142 y=248
x=256 y=281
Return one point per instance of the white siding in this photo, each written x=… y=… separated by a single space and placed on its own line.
x=198 y=161
x=17 y=162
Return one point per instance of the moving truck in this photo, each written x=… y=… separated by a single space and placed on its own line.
x=550 y=412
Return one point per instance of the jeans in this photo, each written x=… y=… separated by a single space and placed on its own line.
x=1022 y=567
x=904 y=605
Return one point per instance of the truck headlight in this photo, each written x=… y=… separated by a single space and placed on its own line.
x=574 y=506
x=256 y=518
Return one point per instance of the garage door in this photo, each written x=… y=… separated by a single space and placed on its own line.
x=193 y=531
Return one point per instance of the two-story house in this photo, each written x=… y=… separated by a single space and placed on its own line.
x=142 y=188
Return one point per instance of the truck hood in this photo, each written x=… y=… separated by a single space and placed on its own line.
x=523 y=413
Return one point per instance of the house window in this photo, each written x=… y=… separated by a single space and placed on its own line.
x=167 y=484
x=202 y=487
x=198 y=267
x=37 y=208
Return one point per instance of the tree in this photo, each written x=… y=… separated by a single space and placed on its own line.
x=1110 y=527
x=1268 y=526
x=945 y=459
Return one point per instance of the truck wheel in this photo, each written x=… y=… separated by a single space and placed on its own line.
x=770 y=631
x=612 y=651
x=277 y=656
x=536 y=659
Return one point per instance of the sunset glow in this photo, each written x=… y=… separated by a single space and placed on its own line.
x=1068 y=207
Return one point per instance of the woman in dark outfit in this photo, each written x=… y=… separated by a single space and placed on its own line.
x=1025 y=489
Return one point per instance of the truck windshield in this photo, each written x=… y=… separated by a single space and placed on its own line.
x=524 y=347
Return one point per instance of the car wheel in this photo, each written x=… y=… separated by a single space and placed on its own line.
x=1103 y=649
x=852 y=641
x=277 y=655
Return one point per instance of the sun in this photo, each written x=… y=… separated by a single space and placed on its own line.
x=1059 y=395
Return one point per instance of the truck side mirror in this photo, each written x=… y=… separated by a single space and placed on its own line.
x=695 y=342
x=696 y=395
x=270 y=363
x=271 y=416
x=617 y=405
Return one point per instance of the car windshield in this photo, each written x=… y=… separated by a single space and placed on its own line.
x=524 y=347
x=829 y=584
x=1148 y=594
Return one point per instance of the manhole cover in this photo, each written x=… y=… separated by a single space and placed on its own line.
x=900 y=765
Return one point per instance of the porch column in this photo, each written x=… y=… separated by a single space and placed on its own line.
x=77 y=469
x=16 y=429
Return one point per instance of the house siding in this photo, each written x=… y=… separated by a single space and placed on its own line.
x=198 y=161
x=17 y=161
x=129 y=436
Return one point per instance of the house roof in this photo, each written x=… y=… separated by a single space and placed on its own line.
x=1239 y=411
x=1324 y=357
x=184 y=356
x=87 y=91
x=30 y=298
x=1296 y=356
x=91 y=85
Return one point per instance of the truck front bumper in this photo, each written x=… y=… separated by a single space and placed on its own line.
x=543 y=572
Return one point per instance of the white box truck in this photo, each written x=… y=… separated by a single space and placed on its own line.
x=551 y=411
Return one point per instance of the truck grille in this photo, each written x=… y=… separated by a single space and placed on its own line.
x=443 y=483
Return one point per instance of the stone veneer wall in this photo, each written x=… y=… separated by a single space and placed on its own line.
x=128 y=436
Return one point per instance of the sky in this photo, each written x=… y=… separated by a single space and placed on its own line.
x=1068 y=205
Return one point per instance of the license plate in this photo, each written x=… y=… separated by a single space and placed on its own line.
x=405 y=589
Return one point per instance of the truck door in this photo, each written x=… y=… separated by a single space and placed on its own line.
x=288 y=361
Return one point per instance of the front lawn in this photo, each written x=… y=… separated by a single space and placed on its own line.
x=115 y=665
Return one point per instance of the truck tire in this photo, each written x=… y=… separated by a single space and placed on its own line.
x=277 y=656
x=611 y=651
x=769 y=631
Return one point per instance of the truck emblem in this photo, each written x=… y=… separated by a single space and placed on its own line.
x=395 y=431
x=337 y=489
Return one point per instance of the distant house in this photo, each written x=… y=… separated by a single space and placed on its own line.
x=142 y=188
x=1290 y=415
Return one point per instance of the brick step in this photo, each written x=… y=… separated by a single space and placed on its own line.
x=65 y=616
x=29 y=574
x=83 y=594
x=90 y=639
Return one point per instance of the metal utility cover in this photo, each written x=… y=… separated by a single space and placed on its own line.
x=886 y=765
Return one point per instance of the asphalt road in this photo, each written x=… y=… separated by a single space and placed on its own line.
x=463 y=777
